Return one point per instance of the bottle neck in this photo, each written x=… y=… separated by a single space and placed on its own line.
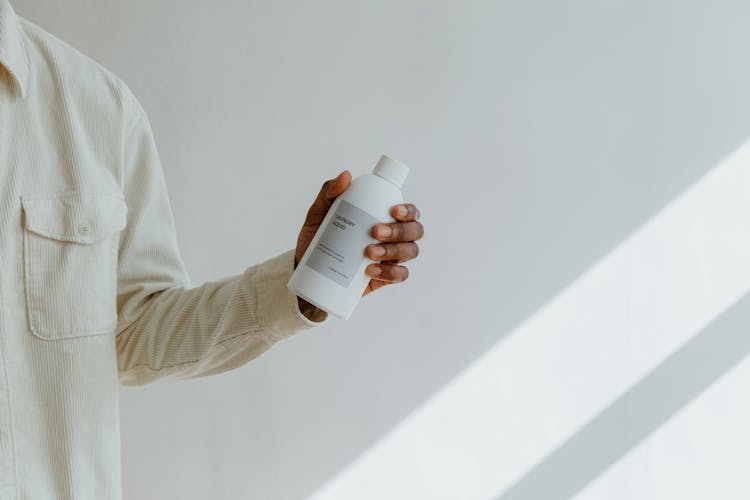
x=387 y=179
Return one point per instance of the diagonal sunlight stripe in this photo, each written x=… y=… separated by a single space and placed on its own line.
x=674 y=383
x=566 y=363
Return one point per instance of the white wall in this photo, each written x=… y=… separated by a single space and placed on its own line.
x=542 y=136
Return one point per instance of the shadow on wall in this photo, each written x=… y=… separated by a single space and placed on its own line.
x=641 y=410
x=635 y=312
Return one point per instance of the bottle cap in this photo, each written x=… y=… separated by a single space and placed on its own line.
x=391 y=170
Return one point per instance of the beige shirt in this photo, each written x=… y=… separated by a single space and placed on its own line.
x=92 y=287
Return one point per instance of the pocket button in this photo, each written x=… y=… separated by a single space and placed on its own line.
x=83 y=229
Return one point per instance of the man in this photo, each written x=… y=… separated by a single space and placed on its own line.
x=92 y=286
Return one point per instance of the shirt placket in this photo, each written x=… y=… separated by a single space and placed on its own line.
x=7 y=456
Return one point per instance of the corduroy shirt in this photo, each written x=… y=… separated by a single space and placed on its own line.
x=92 y=286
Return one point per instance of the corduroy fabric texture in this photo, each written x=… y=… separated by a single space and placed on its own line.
x=92 y=286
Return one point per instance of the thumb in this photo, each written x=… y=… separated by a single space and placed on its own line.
x=330 y=190
x=336 y=186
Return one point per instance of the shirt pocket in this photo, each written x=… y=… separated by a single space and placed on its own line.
x=70 y=243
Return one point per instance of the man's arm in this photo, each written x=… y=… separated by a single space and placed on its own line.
x=166 y=328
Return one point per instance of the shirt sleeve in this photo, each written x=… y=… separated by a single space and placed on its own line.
x=166 y=327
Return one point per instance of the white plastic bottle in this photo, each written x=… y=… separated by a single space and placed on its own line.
x=331 y=274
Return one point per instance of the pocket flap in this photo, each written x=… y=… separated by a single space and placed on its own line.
x=73 y=216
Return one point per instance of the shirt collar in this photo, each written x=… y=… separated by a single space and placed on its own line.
x=13 y=56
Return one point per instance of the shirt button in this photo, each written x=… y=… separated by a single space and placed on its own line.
x=83 y=229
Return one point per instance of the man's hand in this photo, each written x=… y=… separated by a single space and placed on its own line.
x=399 y=245
x=398 y=238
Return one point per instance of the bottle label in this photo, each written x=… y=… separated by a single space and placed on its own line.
x=341 y=246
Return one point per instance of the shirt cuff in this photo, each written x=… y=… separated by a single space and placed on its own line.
x=278 y=309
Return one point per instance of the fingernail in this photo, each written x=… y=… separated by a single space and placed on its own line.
x=378 y=251
x=384 y=231
x=376 y=270
x=402 y=211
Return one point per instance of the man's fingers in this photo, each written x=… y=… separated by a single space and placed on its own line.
x=398 y=231
x=375 y=285
x=397 y=252
x=405 y=212
x=387 y=272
